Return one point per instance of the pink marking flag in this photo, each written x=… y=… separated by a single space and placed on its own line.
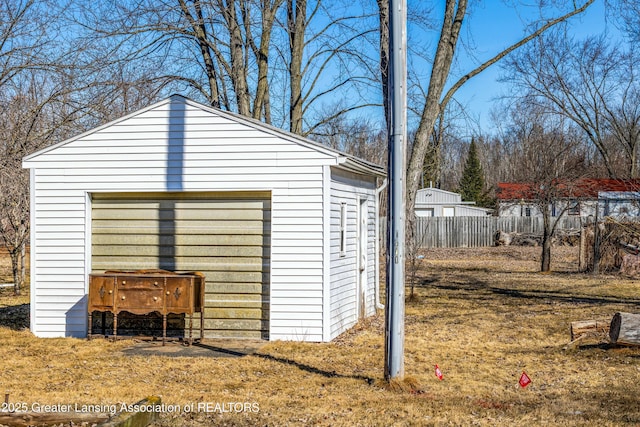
x=439 y=373
x=524 y=380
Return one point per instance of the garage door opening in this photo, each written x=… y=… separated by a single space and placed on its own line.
x=225 y=236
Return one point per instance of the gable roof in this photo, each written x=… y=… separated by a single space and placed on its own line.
x=587 y=188
x=346 y=161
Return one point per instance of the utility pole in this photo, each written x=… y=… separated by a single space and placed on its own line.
x=394 y=307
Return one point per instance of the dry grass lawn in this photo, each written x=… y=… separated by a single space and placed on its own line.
x=483 y=315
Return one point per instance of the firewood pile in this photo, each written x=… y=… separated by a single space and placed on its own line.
x=569 y=237
x=615 y=244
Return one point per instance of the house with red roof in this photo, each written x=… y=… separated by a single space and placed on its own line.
x=585 y=197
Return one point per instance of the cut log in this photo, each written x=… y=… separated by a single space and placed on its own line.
x=138 y=417
x=502 y=238
x=625 y=329
x=589 y=328
x=630 y=265
x=26 y=419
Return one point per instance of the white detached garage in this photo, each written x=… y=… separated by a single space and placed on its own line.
x=283 y=228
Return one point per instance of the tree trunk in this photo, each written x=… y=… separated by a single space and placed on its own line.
x=454 y=15
x=547 y=232
x=14 y=254
x=635 y=145
x=268 y=10
x=238 y=68
x=262 y=57
x=200 y=33
x=545 y=263
x=23 y=265
x=297 y=23
x=625 y=329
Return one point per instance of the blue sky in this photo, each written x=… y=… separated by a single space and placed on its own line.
x=495 y=27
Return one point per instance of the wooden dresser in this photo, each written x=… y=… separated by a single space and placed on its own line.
x=144 y=292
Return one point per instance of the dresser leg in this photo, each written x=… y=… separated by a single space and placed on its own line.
x=115 y=326
x=164 y=328
x=90 y=325
x=191 y=329
x=202 y=326
x=104 y=323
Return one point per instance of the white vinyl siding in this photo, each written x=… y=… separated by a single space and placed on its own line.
x=213 y=154
x=348 y=190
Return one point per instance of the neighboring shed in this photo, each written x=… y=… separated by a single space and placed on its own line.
x=282 y=227
x=436 y=202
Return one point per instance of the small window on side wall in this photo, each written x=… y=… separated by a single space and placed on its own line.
x=574 y=208
x=343 y=229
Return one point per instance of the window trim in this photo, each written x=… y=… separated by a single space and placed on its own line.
x=574 y=208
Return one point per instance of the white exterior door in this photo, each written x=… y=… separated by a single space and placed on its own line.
x=362 y=256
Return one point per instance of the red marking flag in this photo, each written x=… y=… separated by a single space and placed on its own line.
x=439 y=373
x=524 y=380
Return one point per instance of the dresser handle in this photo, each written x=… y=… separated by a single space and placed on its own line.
x=123 y=297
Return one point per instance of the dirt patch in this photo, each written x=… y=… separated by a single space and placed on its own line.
x=207 y=348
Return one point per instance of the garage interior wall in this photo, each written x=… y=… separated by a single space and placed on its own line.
x=224 y=235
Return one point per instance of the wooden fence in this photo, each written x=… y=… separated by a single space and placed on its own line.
x=477 y=231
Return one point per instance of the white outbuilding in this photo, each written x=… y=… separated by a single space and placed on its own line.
x=434 y=202
x=284 y=229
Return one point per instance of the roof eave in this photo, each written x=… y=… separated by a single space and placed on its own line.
x=356 y=165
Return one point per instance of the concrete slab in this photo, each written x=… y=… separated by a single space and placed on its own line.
x=208 y=348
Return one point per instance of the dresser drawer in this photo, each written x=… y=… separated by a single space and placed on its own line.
x=140 y=295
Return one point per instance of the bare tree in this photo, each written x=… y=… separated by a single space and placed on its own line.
x=360 y=137
x=326 y=56
x=33 y=114
x=14 y=199
x=592 y=84
x=25 y=51
x=441 y=89
x=273 y=60
x=627 y=14
x=549 y=162
x=41 y=74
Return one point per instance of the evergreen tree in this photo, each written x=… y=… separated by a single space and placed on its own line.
x=472 y=181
